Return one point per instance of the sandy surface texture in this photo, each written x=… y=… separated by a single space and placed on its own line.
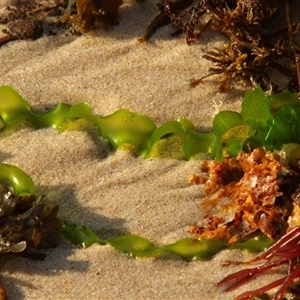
x=114 y=193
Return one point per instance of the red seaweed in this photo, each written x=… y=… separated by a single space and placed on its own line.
x=285 y=251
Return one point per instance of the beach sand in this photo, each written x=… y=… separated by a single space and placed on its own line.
x=114 y=192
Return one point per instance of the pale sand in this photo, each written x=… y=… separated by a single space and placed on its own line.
x=114 y=193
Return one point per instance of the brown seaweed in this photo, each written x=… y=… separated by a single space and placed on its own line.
x=254 y=48
x=27 y=18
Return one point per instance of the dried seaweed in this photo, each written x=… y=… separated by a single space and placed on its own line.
x=254 y=50
x=254 y=47
x=163 y=18
x=26 y=222
x=28 y=19
x=85 y=13
x=25 y=19
x=253 y=193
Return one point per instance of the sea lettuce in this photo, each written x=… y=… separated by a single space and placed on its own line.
x=264 y=121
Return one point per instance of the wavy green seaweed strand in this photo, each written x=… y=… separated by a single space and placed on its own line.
x=259 y=123
x=263 y=122
x=21 y=183
x=121 y=127
x=139 y=247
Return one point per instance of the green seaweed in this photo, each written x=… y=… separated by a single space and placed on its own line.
x=20 y=182
x=139 y=247
x=272 y=122
x=264 y=121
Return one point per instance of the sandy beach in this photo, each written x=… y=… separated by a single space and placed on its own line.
x=114 y=192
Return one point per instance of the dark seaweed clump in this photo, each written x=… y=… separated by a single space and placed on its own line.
x=26 y=222
x=262 y=35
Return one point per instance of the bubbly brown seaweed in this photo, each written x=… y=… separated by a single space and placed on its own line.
x=252 y=194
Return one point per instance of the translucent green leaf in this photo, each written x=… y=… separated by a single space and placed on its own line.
x=234 y=146
x=196 y=143
x=255 y=141
x=230 y=124
x=280 y=128
x=291 y=152
x=230 y=129
x=125 y=127
x=169 y=127
x=256 y=109
x=232 y=132
x=139 y=247
x=134 y=245
x=19 y=180
x=80 y=235
x=12 y=106
x=81 y=110
x=296 y=129
x=257 y=244
x=282 y=99
x=170 y=146
x=189 y=127
x=192 y=249
x=121 y=128
x=54 y=118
